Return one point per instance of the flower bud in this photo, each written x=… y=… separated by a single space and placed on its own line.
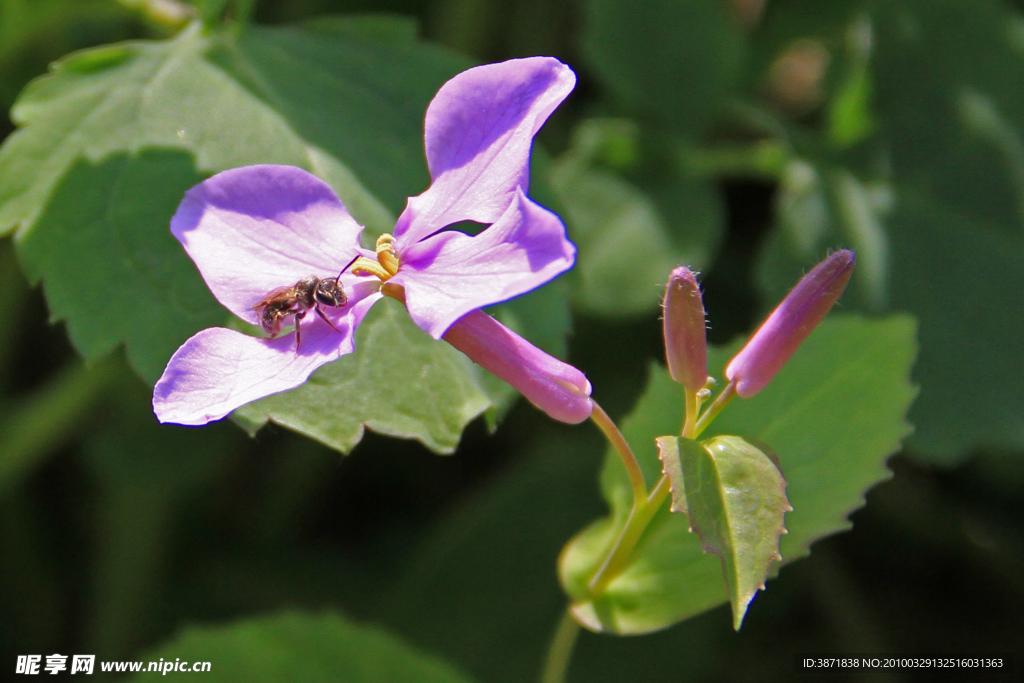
x=789 y=324
x=557 y=388
x=686 y=348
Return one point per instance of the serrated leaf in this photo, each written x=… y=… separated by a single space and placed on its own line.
x=737 y=500
x=302 y=647
x=833 y=415
x=399 y=382
x=669 y=448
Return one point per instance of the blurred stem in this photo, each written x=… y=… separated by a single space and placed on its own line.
x=560 y=651
x=721 y=401
x=618 y=442
x=766 y=159
x=41 y=422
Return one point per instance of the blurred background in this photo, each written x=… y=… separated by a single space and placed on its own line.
x=745 y=138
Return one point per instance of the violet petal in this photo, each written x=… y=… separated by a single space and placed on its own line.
x=479 y=129
x=253 y=229
x=218 y=370
x=557 y=388
x=789 y=324
x=451 y=274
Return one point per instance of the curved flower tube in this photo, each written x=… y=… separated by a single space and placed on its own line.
x=256 y=229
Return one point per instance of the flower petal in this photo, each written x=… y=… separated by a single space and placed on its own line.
x=451 y=274
x=479 y=130
x=557 y=388
x=256 y=228
x=218 y=370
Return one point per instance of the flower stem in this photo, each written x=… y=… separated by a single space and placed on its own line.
x=614 y=436
x=690 y=415
x=639 y=517
x=560 y=650
x=721 y=401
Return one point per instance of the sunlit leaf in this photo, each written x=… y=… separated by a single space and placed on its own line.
x=736 y=502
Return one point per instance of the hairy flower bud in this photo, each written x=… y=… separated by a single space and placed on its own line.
x=686 y=348
x=789 y=324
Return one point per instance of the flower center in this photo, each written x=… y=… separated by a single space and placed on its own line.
x=386 y=265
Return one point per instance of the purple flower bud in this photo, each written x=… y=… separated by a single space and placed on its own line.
x=789 y=324
x=686 y=347
x=557 y=388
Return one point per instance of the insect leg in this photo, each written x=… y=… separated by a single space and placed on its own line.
x=298 y=330
x=321 y=314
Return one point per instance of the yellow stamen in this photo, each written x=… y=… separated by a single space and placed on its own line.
x=386 y=253
x=365 y=266
x=386 y=265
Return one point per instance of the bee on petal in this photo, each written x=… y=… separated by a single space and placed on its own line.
x=309 y=293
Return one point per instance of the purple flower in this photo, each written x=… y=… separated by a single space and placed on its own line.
x=256 y=229
x=686 y=346
x=787 y=327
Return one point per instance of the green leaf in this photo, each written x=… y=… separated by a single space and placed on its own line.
x=736 y=503
x=833 y=415
x=672 y=467
x=673 y=60
x=302 y=647
x=616 y=225
x=399 y=382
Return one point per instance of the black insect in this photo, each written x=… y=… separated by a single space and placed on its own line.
x=297 y=300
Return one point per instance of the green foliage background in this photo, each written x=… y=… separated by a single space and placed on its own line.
x=744 y=138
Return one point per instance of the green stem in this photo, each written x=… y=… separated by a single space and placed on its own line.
x=560 y=650
x=639 y=517
x=614 y=436
x=721 y=401
x=690 y=415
